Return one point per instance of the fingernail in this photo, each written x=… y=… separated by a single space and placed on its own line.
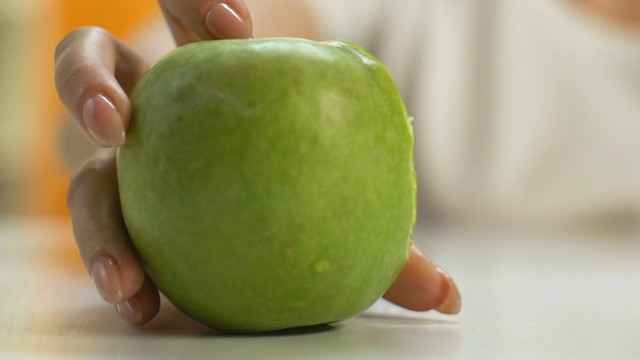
x=225 y=23
x=131 y=310
x=103 y=121
x=452 y=301
x=106 y=275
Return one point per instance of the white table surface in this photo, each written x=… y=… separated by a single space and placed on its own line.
x=525 y=296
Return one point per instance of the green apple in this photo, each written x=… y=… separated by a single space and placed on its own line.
x=269 y=184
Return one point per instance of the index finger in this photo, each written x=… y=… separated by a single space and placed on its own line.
x=94 y=73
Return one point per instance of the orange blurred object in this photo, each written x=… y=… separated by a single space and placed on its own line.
x=120 y=17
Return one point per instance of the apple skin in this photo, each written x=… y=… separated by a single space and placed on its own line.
x=269 y=184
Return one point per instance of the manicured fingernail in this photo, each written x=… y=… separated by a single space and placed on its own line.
x=103 y=121
x=452 y=302
x=106 y=275
x=225 y=23
x=131 y=310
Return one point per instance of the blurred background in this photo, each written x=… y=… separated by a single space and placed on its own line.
x=33 y=177
x=573 y=155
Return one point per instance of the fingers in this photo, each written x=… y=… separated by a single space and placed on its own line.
x=141 y=307
x=194 y=20
x=423 y=286
x=94 y=73
x=103 y=242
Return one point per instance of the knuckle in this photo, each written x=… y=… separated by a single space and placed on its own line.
x=88 y=171
x=77 y=35
x=74 y=72
x=74 y=66
x=91 y=171
x=71 y=76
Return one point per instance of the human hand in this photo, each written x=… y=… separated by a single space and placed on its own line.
x=120 y=279
x=95 y=71
x=94 y=75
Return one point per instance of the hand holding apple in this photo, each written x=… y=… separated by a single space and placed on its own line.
x=95 y=206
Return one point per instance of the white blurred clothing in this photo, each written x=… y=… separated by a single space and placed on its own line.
x=525 y=111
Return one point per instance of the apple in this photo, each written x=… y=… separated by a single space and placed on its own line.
x=269 y=184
